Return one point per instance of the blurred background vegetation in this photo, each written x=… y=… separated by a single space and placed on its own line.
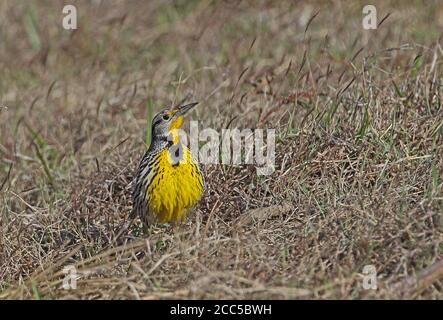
x=357 y=112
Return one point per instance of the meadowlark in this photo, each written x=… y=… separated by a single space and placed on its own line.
x=169 y=181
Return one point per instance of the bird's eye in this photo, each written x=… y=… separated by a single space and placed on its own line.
x=166 y=117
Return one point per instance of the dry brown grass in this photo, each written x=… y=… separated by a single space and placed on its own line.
x=359 y=166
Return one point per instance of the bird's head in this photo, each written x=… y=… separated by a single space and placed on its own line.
x=167 y=122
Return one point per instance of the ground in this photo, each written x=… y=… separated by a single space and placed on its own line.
x=358 y=170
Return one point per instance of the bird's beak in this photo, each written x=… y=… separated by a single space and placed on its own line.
x=183 y=109
x=178 y=113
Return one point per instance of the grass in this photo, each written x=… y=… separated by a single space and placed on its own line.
x=358 y=172
x=149 y=117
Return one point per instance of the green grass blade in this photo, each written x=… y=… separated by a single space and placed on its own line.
x=149 y=116
x=30 y=21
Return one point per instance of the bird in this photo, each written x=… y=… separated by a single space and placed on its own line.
x=169 y=181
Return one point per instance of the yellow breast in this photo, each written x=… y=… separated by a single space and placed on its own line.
x=175 y=187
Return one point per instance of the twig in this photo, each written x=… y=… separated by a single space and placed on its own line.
x=415 y=284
